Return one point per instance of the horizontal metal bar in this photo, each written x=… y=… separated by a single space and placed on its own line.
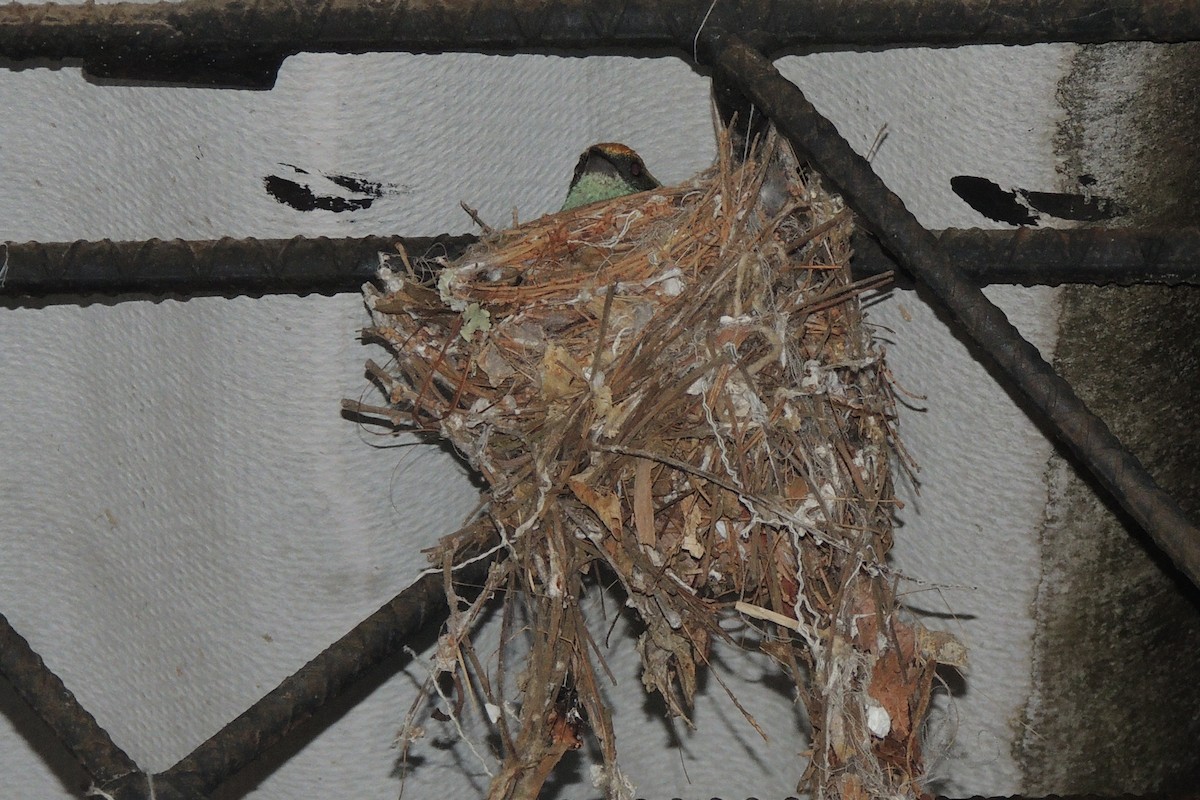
x=1052 y=257
x=1124 y=796
x=231 y=266
x=1047 y=393
x=243 y=41
x=51 y=700
x=330 y=266
x=1162 y=796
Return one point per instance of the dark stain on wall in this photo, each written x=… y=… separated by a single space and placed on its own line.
x=1027 y=207
x=1116 y=674
x=311 y=190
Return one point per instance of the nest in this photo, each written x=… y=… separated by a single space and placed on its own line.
x=675 y=388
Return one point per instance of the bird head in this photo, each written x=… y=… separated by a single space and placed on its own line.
x=605 y=171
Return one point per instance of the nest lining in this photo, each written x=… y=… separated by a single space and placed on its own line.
x=679 y=387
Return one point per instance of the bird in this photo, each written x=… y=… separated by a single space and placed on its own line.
x=607 y=170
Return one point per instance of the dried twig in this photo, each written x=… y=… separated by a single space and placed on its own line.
x=680 y=386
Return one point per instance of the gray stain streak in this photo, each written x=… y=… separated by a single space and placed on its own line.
x=1116 y=681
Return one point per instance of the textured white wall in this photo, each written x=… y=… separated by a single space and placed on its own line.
x=187 y=519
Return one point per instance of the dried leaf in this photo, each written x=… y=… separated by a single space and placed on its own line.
x=942 y=647
x=559 y=374
x=605 y=504
x=494 y=365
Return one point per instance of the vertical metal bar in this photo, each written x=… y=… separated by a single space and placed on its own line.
x=917 y=250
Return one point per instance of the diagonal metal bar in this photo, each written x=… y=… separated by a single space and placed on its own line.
x=51 y=700
x=83 y=270
x=141 y=786
x=242 y=42
x=326 y=676
x=917 y=250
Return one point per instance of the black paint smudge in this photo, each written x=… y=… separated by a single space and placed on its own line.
x=302 y=196
x=355 y=184
x=1077 y=207
x=990 y=200
x=1023 y=207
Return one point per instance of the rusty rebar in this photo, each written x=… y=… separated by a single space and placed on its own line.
x=141 y=786
x=1048 y=394
x=1051 y=257
x=1159 y=796
x=82 y=271
x=1115 y=796
x=242 y=42
x=322 y=679
x=296 y=266
x=258 y=728
x=51 y=700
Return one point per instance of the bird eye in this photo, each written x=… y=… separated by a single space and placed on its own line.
x=635 y=169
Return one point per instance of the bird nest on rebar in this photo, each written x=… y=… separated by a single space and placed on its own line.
x=678 y=386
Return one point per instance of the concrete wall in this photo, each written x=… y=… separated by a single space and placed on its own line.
x=1116 y=701
x=187 y=519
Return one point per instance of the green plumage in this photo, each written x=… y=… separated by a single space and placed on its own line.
x=605 y=171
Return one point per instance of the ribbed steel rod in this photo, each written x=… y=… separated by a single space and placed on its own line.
x=1160 y=796
x=253 y=36
x=298 y=265
x=51 y=700
x=917 y=250
x=1051 y=257
x=1125 y=796
x=322 y=679
x=140 y=786
x=1045 y=257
